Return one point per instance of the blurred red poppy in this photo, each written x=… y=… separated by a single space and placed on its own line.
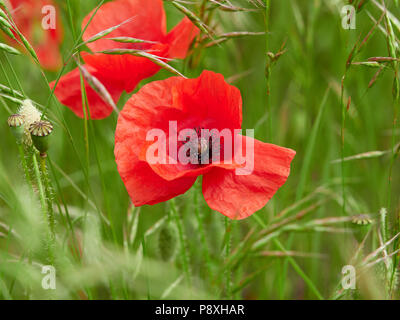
x=34 y=19
x=207 y=102
x=144 y=20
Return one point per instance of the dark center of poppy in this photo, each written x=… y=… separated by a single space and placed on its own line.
x=200 y=149
x=203 y=146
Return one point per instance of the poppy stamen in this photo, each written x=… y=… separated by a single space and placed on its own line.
x=200 y=148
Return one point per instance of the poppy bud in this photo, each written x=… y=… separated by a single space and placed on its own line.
x=167 y=242
x=40 y=132
x=362 y=219
x=16 y=124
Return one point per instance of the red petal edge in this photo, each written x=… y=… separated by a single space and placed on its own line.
x=68 y=92
x=239 y=196
x=138 y=116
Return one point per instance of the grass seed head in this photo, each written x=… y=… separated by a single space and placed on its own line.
x=8 y=49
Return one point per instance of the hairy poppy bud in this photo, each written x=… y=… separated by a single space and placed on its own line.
x=167 y=242
x=40 y=132
x=16 y=124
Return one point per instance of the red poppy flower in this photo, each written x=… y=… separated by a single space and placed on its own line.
x=28 y=16
x=207 y=102
x=146 y=21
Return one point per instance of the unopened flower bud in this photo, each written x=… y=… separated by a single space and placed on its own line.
x=16 y=124
x=40 y=132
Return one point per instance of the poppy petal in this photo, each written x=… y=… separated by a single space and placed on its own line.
x=180 y=38
x=145 y=110
x=136 y=119
x=28 y=16
x=49 y=55
x=68 y=92
x=165 y=101
x=166 y=110
x=239 y=196
x=210 y=97
x=148 y=22
x=126 y=69
x=142 y=183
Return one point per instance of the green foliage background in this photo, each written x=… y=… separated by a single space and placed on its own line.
x=306 y=115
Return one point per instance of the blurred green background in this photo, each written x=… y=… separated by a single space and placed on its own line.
x=306 y=115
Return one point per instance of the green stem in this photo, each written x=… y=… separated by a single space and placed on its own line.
x=268 y=67
x=395 y=154
x=75 y=243
x=203 y=239
x=103 y=183
x=70 y=54
x=299 y=271
x=146 y=274
x=25 y=165
x=14 y=74
x=202 y=9
x=293 y=262
x=183 y=242
x=42 y=197
x=228 y=273
x=343 y=123
x=48 y=193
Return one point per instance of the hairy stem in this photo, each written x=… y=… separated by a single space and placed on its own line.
x=183 y=242
x=48 y=194
x=42 y=197
x=228 y=273
x=200 y=223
